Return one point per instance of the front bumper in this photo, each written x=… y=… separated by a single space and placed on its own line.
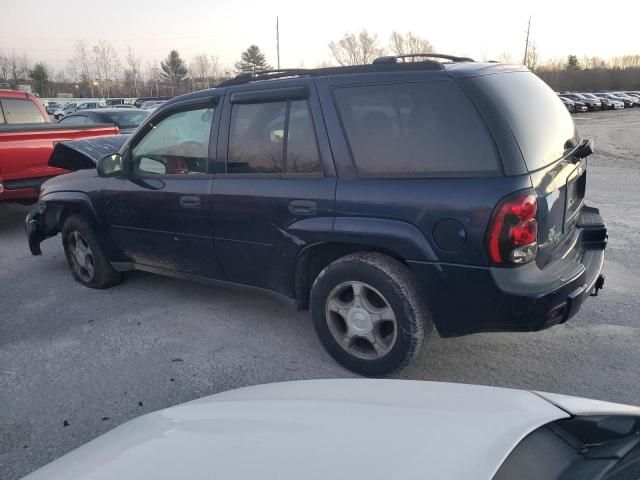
x=37 y=229
x=464 y=299
x=32 y=229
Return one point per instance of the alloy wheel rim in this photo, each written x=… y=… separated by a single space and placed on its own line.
x=361 y=320
x=81 y=256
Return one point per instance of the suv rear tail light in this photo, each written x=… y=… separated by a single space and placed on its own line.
x=512 y=237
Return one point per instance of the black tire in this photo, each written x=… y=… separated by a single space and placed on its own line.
x=399 y=291
x=102 y=275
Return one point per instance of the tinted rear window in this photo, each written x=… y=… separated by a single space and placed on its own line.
x=21 y=111
x=415 y=129
x=539 y=120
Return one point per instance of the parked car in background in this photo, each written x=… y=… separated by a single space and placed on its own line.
x=151 y=104
x=25 y=150
x=616 y=102
x=339 y=429
x=139 y=101
x=126 y=119
x=51 y=107
x=592 y=104
x=578 y=106
x=124 y=105
x=605 y=104
x=286 y=184
x=635 y=101
x=20 y=107
x=628 y=102
x=571 y=107
x=74 y=107
x=110 y=102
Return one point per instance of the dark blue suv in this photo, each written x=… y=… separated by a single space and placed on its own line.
x=387 y=198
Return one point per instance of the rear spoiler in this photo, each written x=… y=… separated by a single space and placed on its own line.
x=84 y=154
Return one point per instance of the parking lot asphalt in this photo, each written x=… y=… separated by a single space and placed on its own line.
x=76 y=362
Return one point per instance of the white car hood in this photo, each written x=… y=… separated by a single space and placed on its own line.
x=322 y=429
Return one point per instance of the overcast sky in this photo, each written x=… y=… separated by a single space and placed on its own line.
x=46 y=30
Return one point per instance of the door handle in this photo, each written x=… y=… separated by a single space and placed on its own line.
x=303 y=207
x=190 y=201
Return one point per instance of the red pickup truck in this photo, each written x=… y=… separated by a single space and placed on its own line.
x=27 y=138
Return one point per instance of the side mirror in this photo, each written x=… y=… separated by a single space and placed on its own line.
x=585 y=149
x=110 y=165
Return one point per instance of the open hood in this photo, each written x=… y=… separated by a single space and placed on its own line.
x=84 y=154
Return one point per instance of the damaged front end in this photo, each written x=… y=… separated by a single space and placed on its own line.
x=65 y=193
x=85 y=154
x=35 y=235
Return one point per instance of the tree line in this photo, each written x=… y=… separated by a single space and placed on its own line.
x=98 y=71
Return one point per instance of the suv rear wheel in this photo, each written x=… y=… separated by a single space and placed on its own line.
x=368 y=314
x=87 y=260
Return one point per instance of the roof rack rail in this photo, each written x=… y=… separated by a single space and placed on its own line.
x=246 y=77
x=396 y=58
x=389 y=66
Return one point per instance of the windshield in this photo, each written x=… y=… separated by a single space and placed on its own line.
x=127 y=120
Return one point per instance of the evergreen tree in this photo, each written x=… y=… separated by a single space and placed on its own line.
x=40 y=76
x=572 y=63
x=173 y=69
x=252 y=60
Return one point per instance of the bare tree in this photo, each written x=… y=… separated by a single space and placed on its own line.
x=4 y=66
x=505 y=57
x=533 y=57
x=200 y=69
x=19 y=67
x=133 y=62
x=216 y=69
x=153 y=74
x=72 y=71
x=405 y=44
x=106 y=64
x=356 y=50
x=83 y=61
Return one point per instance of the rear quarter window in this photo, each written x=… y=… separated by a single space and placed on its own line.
x=426 y=129
x=540 y=122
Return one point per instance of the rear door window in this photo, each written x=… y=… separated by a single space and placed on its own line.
x=21 y=111
x=415 y=129
x=273 y=137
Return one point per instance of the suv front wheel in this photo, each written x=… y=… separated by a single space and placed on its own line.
x=87 y=260
x=368 y=313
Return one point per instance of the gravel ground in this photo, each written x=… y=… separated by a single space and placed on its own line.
x=75 y=362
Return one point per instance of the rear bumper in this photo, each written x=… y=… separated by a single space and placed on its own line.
x=465 y=300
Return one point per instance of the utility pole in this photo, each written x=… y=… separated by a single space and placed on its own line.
x=278 y=40
x=526 y=43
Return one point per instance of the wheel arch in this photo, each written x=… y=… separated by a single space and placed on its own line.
x=398 y=239
x=58 y=206
x=314 y=258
